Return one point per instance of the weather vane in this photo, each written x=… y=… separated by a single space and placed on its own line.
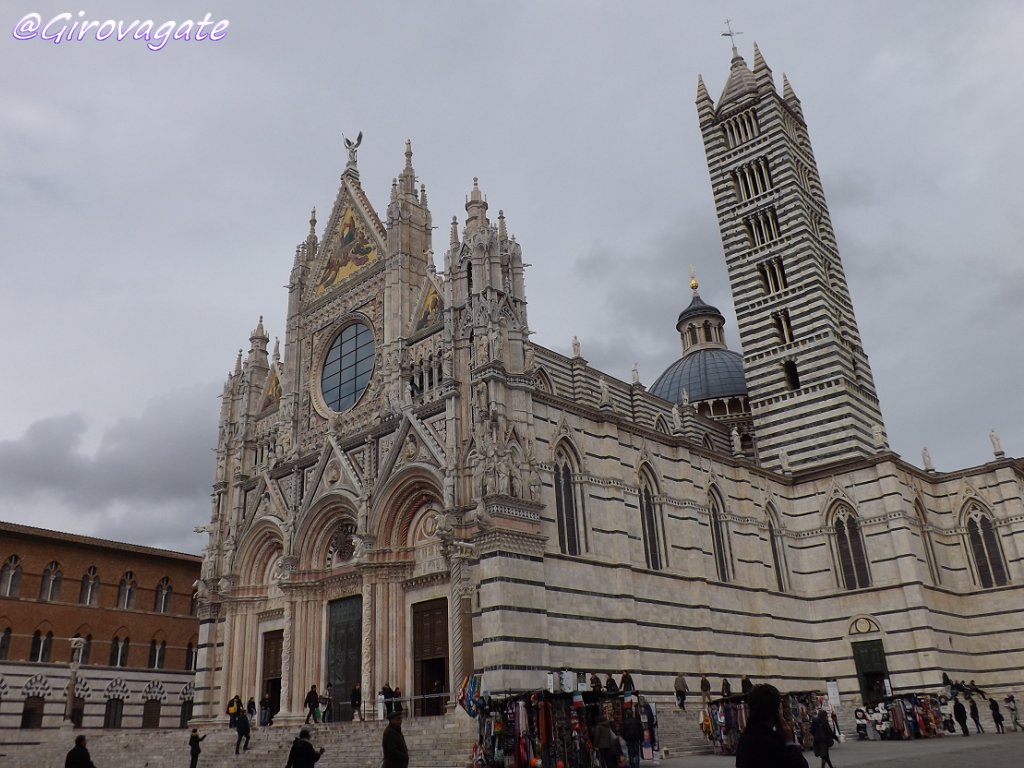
x=730 y=34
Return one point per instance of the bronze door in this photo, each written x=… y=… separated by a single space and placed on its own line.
x=273 y=646
x=430 y=655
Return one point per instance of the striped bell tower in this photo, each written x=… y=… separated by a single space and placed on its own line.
x=812 y=396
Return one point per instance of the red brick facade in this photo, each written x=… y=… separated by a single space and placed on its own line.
x=26 y=612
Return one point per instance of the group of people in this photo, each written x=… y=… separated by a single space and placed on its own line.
x=682 y=689
x=606 y=741
x=625 y=684
x=391 y=699
x=960 y=713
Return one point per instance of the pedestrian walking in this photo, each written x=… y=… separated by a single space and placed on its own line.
x=328 y=704
x=609 y=684
x=745 y=685
x=193 y=746
x=997 y=716
x=244 y=730
x=1011 y=704
x=302 y=754
x=605 y=742
x=975 y=717
x=393 y=746
x=312 y=704
x=821 y=734
x=389 y=700
x=250 y=710
x=632 y=734
x=78 y=755
x=681 y=690
x=705 y=690
x=768 y=739
x=960 y=715
x=595 y=683
x=726 y=688
x=356 y=700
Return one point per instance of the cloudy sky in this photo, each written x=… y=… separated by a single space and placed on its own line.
x=150 y=204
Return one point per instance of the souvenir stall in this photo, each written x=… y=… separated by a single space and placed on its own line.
x=724 y=720
x=539 y=728
x=911 y=716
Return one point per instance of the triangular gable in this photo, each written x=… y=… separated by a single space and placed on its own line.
x=271 y=390
x=428 y=310
x=353 y=240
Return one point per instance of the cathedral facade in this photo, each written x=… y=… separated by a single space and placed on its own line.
x=410 y=491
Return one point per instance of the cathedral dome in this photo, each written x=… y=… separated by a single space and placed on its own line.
x=704 y=374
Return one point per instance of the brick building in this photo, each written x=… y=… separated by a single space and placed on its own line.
x=132 y=606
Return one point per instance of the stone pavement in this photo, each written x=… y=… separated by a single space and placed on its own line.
x=988 y=749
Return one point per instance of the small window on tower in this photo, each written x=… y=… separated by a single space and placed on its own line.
x=792 y=375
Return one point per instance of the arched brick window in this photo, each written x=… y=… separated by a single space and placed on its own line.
x=49 y=584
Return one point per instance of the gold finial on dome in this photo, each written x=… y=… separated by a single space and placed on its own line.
x=693 y=279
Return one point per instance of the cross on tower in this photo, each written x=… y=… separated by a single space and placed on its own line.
x=730 y=34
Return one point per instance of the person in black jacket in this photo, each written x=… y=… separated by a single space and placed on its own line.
x=244 y=729
x=78 y=756
x=997 y=716
x=356 y=700
x=632 y=734
x=393 y=746
x=302 y=754
x=975 y=717
x=768 y=739
x=960 y=715
x=823 y=737
x=193 y=746
x=312 y=703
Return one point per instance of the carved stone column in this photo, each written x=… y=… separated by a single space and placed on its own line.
x=286 y=658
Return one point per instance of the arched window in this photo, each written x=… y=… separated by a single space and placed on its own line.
x=853 y=560
x=126 y=590
x=49 y=584
x=926 y=542
x=5 y=644
x=190 y=658
x=10 y=577
x=778 y=552
x=89 y=594
x=119 y=652
x=162 y=601
x=41 y=647
x=569 y=519
x=193 y=607
x=719 y=543
x=112 y=713
x=650 y=523
x=157 y=652
x=985 y=550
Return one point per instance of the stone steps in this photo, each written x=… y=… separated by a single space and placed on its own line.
x=679 y=733
x=435 y=742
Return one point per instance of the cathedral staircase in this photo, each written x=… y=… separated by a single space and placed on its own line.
x=679 y=732
x=434 y=742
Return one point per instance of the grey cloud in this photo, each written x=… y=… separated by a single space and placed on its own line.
x=148 y=480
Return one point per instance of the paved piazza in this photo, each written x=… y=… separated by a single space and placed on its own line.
x=992 y=750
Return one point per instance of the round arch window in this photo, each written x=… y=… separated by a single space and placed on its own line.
x=347 y=367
